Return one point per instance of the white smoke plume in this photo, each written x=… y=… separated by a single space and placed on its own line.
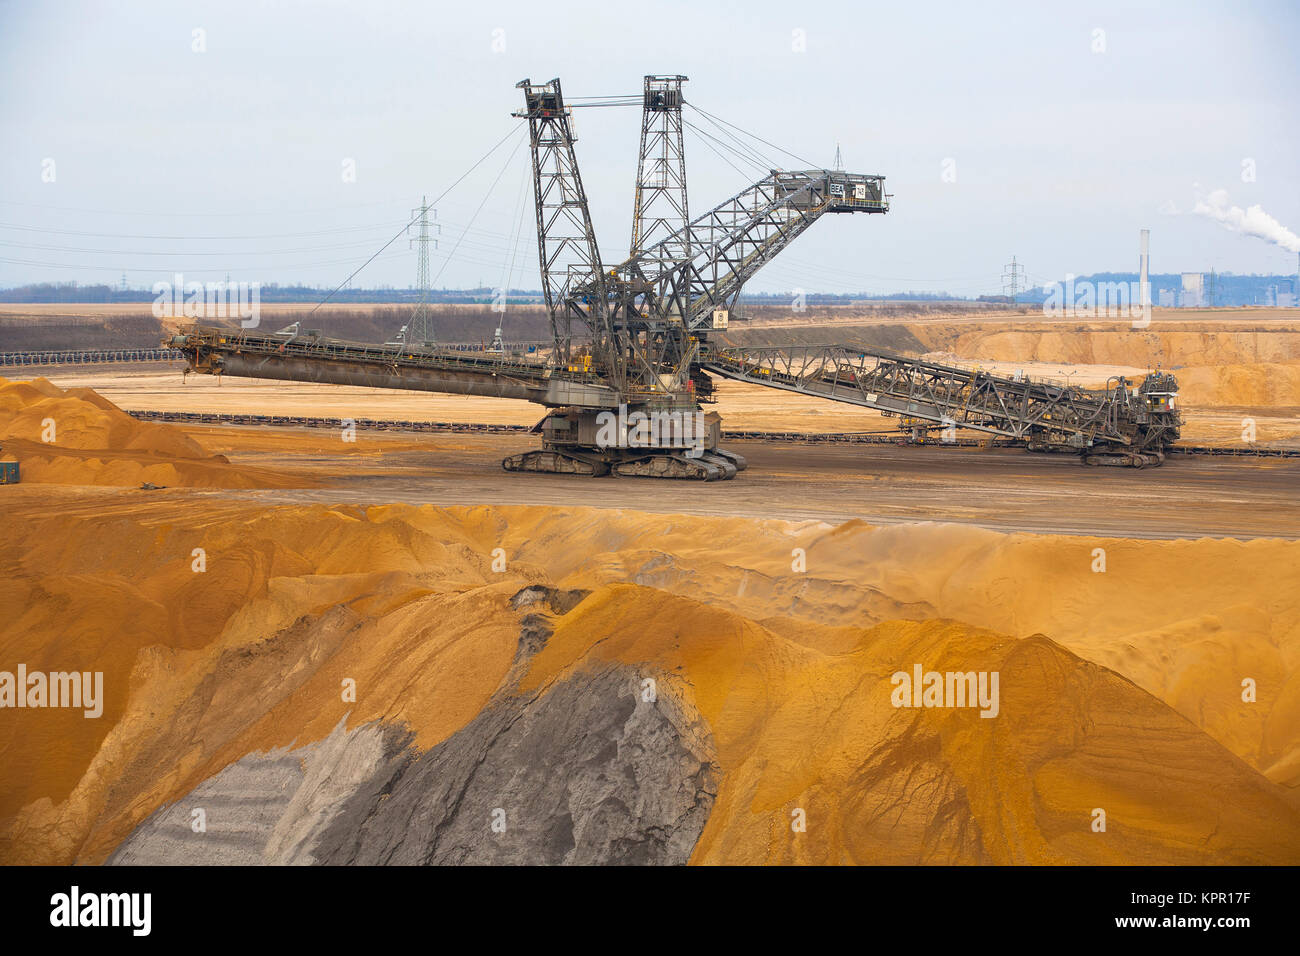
x=1249 y=222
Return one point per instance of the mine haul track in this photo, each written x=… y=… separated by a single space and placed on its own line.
x=777 y=437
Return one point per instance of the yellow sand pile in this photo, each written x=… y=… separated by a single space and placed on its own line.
x=790 y=668
x=201 y=668
x=1255 y=368
x=819 y=765
x=1185 y=620
x=1257 y=385
x=1086 y=344
x=76 y=437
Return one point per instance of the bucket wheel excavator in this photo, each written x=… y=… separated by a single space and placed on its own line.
x=640 y=327
x=635 y=345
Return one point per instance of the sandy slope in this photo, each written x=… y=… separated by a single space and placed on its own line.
x=77 y=437
x=1119 y=690
x=520 y=687
x=802 y=730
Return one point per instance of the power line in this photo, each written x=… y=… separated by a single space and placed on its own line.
x=185 y=252
x=472 y=242
x=481 y=204
x=719 y=119
x=80 y=267
x=192 y=236
x=194 y=215
x=476 y=165
x=309 y=264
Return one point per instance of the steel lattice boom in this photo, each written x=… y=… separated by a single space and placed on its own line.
x=691 y=275
x=1120 y=419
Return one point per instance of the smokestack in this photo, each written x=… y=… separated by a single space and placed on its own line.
x=1144 y=287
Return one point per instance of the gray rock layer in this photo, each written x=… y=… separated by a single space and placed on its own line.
x=587 y=772
x=266 y=808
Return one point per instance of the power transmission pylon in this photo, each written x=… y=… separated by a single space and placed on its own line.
x=420 y=329
x=1013 y=277
x=839 y=158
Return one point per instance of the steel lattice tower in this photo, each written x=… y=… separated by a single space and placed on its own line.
x=661 y=209
x=1013 y=278
x=420 y=329
x=566 y=239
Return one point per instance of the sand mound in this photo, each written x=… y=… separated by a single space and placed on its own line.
x=773 y=688
x=248 y=655
x=1256 y=368
x=77 y=437
x=78 y=418
x=816 y=737
x=1113 y=345
x=1257 y=385
x=1169 y=615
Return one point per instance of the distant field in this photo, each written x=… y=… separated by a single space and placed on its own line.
x=914 y=327
x=133 y=325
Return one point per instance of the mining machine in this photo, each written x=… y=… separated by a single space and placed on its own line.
x=635 y=345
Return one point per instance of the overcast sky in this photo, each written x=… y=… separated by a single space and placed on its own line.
x=1052 y=135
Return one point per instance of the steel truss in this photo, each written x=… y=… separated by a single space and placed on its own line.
x=660 y=210
x=1039 y=413
x=566 y=239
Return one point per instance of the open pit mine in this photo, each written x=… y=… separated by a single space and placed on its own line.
x=940 y=588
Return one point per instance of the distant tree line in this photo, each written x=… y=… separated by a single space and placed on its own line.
x=1229 y=289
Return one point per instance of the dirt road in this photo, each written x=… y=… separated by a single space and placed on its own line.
x=1002 y=489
